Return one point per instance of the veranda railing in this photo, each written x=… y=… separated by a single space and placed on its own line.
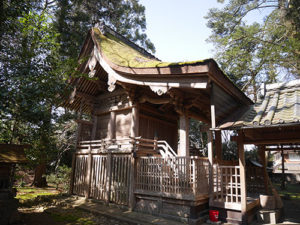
x=181 y=177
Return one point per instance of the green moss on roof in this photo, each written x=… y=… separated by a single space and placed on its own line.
x=121 y=54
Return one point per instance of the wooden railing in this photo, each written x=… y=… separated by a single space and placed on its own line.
x=181 y=177
x=226 y=184
x=103 y=145
x=142 y=146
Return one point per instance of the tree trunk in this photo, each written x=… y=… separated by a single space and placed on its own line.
x=39 y=179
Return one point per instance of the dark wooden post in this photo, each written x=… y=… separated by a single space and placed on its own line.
x=218 y=145
x=72 y=174
x=94 y=129
x=183 y=149
x=262 y=156
x=134 y=133
x=108 y=177
x=210 y=143
x=283 y=172
x=89 y=174
x=112 y=125
x=210 y=160
x=242 y=164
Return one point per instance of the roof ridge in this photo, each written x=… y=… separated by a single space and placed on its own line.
x=282 y=85
x=108 y=30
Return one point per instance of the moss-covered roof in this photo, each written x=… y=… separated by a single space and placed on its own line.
x=12 y=153
x=121 y=54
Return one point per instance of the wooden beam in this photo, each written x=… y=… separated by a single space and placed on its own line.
x=145 y=98
x=184 y=147
x=283 y=149
x=198 y=116
x=267 y=141
x=242 y=165
x=101 y=85
x=86 y=96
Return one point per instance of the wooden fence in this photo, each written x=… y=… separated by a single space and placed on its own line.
x=107 y=177
x=184 y=176
x=226 y=184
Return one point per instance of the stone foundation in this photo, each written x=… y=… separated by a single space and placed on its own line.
x=188 y=211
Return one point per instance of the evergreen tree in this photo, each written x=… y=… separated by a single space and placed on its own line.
x=39 y=45
x=268 y=51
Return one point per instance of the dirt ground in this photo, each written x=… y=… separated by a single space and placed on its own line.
x=54 y=210
x=63 y=216
x=291 y=211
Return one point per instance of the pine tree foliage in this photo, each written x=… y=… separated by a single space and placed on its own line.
x=262 y=51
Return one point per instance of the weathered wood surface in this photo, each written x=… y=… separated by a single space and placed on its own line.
x=80 y=175
x=184 y=176
x=107 y=177
x=226 y=184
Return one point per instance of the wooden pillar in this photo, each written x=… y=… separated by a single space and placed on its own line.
x=242 y=164
x=77 y=135
x=108 y=177
x=218 y=145
x=184 y=146
x=72 y=174
x=134 y=132
x=282 y=170
x=88 y=174
x=262 y=156
x=94 y=129
x=210 y=161
x=112 y=126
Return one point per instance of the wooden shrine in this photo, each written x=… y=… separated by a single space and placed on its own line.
x=134 y=150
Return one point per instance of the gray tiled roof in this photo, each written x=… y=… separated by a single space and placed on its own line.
x=279 y=104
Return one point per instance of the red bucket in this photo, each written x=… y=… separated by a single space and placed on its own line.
x=213 y=215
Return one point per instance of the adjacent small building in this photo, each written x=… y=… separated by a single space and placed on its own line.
x=10 y=155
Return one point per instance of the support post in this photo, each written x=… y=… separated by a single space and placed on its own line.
x=72 y=174
x=108 y=177
x=218 y=145
x=262 y=156
x=134 y=131
x=283 y=172
x=210 y=161
x=210 y=144
x=242 y=164
x=89 y=174
x=184 y=147
x=95 y=124
x=112 y=126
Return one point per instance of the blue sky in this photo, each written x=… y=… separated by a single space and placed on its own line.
x=178 y=28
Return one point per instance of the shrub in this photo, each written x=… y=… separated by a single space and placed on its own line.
x=61 y=178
